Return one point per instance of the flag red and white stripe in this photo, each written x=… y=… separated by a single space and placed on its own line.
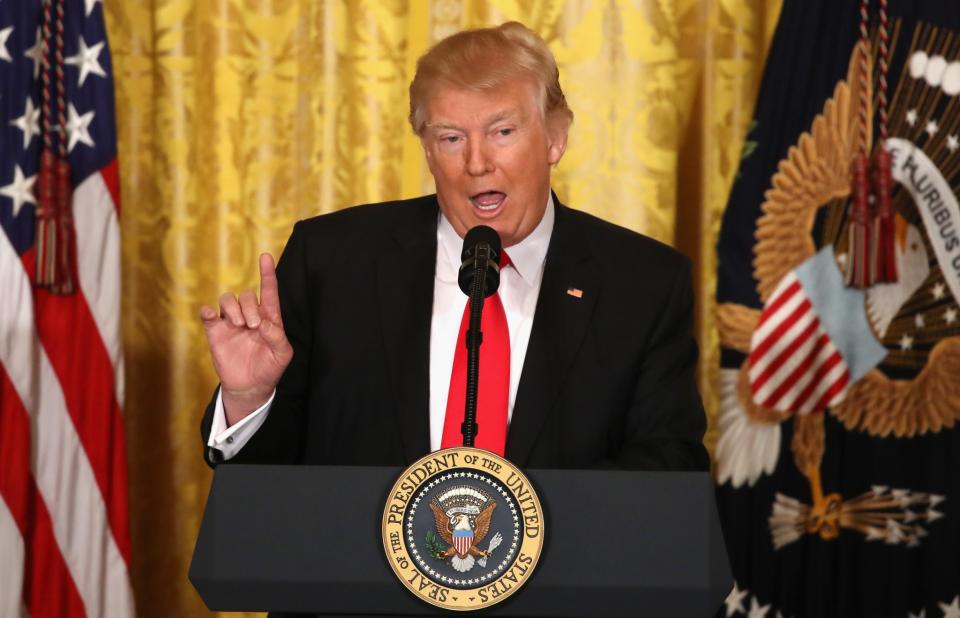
x=64 y=530
x=794 y=367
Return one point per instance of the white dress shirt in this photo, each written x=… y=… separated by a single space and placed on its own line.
x=519 y=289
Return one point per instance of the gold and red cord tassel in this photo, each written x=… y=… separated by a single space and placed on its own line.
x=56 y=239
x=858 y=272
x=871 y=255
x=885 y=262
x=858 y=232
x=885 y=255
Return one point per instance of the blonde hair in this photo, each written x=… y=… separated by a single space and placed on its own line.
x=483 y=59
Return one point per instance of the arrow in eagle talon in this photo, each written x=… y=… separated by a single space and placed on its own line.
x=494 y=543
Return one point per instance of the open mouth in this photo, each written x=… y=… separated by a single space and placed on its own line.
x=488 y=201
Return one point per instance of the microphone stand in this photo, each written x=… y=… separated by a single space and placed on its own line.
x=474 y=338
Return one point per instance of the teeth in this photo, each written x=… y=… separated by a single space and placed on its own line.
x=487 y=201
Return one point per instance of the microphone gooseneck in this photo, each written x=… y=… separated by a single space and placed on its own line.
x=479 y=278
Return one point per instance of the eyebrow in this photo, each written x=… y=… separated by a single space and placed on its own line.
x=506 y=114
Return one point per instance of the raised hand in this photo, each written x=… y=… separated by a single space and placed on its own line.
x=247 y=342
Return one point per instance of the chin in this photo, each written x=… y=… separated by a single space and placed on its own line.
x=498 y=228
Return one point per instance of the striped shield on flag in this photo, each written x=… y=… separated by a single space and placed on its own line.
x=462 y=540
x=812 y=341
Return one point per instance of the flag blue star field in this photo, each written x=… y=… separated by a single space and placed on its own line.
x=64 y=537
x=838 y=307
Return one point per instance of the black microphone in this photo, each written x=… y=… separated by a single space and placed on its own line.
x=479 y=278
x=481 y=253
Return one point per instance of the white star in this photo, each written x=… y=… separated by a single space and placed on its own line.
x=78 y=127
x=906 y=342
x=953 y=142
x=757 y=610
x=88 y=4
x=734 y=600
x=919 y=321
x=938 y=291
x=29 y=123
x=952 y=610
x=87 y=59
x=35 y=53
x=922 y=614
x=950 y=315
x=4 y=35
x=912 y=117
x=932 y=128
x=20 y=190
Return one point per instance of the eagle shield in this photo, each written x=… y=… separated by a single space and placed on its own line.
x=462 y=541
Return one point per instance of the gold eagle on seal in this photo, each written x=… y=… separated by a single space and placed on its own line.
x=462 y=517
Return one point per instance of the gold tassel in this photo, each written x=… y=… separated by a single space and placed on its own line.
x=56 y=235
x=858 y=272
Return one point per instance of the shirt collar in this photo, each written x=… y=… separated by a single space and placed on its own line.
x=527 y=256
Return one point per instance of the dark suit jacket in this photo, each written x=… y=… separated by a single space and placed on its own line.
x=608 y=379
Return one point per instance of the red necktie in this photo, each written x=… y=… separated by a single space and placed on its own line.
x=494 y=381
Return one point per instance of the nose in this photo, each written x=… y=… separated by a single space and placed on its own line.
x=478 y=157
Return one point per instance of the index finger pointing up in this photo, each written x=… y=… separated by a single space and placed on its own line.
x=269 y=291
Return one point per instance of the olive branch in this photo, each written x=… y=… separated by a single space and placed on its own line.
x=434 y=547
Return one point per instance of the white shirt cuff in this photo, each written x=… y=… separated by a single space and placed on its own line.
x=229 y=440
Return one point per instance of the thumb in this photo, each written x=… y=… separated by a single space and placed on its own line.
x=208 y=316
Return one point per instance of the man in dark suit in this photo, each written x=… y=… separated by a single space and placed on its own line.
x=346 y=357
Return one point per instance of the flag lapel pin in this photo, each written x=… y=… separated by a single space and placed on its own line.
x=575 y=292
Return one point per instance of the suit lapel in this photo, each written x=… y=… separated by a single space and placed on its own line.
x=405 y=281
x=567 y=296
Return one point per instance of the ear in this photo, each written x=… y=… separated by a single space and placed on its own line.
x=557 y=131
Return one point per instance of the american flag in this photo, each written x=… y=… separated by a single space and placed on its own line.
x=64 y=537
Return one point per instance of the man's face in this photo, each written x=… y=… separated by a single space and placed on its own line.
x=490 y=154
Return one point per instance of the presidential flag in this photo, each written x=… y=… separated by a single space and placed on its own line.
x=64 y=533
x=838 y=455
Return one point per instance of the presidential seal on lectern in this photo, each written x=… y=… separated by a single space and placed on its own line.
x=463 y=528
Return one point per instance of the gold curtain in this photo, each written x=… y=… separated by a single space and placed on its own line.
x=238 y=117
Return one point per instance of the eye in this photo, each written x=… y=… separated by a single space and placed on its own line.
x=450 y=139
x=505 y=132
